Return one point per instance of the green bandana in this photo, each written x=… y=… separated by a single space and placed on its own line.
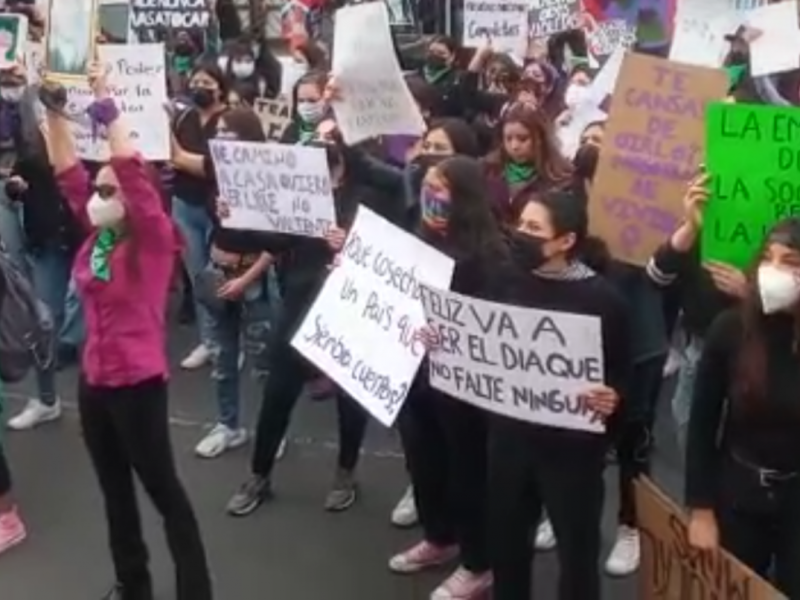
x=434 y=76
x=101 y=253
x=306 y=131
x=517 y=173
x=182 y=64
x=735 y=75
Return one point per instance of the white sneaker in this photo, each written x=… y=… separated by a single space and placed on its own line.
x=405 y=513
x=281 y=450
x=220 y=439
x=545 y=536
x=35 y=413
x=199 y=357
x=625 y=555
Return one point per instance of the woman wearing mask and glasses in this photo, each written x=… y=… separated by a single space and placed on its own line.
x=123 y=273
x=743 y=448
x=309 y=108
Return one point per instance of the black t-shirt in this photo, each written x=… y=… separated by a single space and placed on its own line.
x=193 y=137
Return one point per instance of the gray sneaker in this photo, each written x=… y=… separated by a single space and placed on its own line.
x=253 y=493
x=343 y=493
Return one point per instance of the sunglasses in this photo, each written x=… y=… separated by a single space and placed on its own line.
x=105 y=190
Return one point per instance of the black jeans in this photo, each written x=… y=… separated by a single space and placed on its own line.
x=5 y=474
x=445 y=445
x=126 y=431
x=759 y=523
x=288 y=373
x=633 y=432
x=531 y=470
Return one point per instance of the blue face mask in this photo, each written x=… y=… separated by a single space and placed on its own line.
x=435 y=209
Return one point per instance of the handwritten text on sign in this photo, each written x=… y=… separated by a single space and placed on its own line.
x=753 y=155
x=271 y=187
x=654 y=146
x=170 y=14
x=361 y=328
x=672 y=570
x=522 y=363
x=505 y=22
x=548 y=17
x=137 y=82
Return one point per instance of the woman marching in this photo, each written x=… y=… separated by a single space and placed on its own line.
x=123 y=272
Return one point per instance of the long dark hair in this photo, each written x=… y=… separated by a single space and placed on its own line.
x=472 y=230
x=568 y=214
x=751 y=372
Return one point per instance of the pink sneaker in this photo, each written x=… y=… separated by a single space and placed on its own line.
x=12 y=530
x=423 y=555
x=464 y=585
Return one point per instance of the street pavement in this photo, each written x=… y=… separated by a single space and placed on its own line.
x=289 y=550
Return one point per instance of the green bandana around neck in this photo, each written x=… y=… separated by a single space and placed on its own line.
x=182 y=64
x=517 y=173
x=306 y=131
x=433 y=76
x=735 y=75
x=101 y=254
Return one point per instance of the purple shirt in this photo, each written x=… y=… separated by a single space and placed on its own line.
x=125 y=317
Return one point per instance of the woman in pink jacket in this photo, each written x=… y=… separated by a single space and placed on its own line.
x=123 y=273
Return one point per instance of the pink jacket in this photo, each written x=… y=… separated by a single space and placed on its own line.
x=125 y=317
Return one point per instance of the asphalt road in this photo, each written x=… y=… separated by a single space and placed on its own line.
x=289 y=550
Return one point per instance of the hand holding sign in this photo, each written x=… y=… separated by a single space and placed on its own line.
x=602 y=399
x=703 y=531
x=694 y=200
x=727 y=279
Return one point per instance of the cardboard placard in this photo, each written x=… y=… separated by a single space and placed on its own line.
x=673 y=570
x=71 y=39
x=653 y=146
x=275 y=116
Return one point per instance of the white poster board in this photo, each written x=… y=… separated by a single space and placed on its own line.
x=361 y=329
x=375 y=99
x=526 y=364
x=274 y=187
x=505 y=22
x=137 y=82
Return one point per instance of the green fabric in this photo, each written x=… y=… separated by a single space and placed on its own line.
x=182 y=64
x=735 y=75
x=434 y=76
x=517 y=173
x=101 y=252
x=306 y=131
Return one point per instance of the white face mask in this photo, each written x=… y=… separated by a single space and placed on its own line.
x=311 y=112
x=222 y=63
x=779 y=288
x=243 y=68
x=575 y=94
x=12 y=94
x=104 y=213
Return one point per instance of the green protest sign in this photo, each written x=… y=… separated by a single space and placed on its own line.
x=753 y=157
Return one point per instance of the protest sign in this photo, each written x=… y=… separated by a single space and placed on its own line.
x=137 y=82
x=527 y=364
x=653 y=147
x=275 y=116
x=753 y=156
x=699 y=37
x=777 y=48
x=505 y=22
x=672 y=570
x=608 y=37
x=548 y=17
x=361 y=329
x=272 y=187
x=375 y=99
x=13 y=37
x=153 y=19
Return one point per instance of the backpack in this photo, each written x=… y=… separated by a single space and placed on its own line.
x=27 y=331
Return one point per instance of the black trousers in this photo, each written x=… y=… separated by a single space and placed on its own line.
x=5 y=474
x=760 y=524
x=529 y=474
x=288 y=373
x=445 y=445
x=126 y=431
x=633 y=432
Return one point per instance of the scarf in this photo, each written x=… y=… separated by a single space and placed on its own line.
x=518 y=173
x=434 y=76
x=101 y=254
x=306 y=132
x=575 y=271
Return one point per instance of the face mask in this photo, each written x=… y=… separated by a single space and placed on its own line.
x=435 y=209
x=528 y=250
x=12 y=94
x=222 y=63
x=243 y=69
x=311 y=112
x=184 y=49
x=104 y=214
x=434 y=62
x=202 y=97
x=779 y=289
x=574 y=95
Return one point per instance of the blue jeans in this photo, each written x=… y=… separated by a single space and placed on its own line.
x=244 y=322
x=72 y=329
x=51 y=275
x=682 y=396
x=195 y=226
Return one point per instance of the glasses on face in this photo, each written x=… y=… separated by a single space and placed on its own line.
x=105 y=190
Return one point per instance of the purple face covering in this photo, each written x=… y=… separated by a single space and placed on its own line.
x=397 y=147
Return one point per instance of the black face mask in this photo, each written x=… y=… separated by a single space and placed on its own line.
x=184 y=49
x=435 y=62
x=527 y=250
x=202 y=97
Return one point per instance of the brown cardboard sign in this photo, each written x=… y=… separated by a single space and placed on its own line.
x=672 y=570
x=275 y=116
x=652 y=148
